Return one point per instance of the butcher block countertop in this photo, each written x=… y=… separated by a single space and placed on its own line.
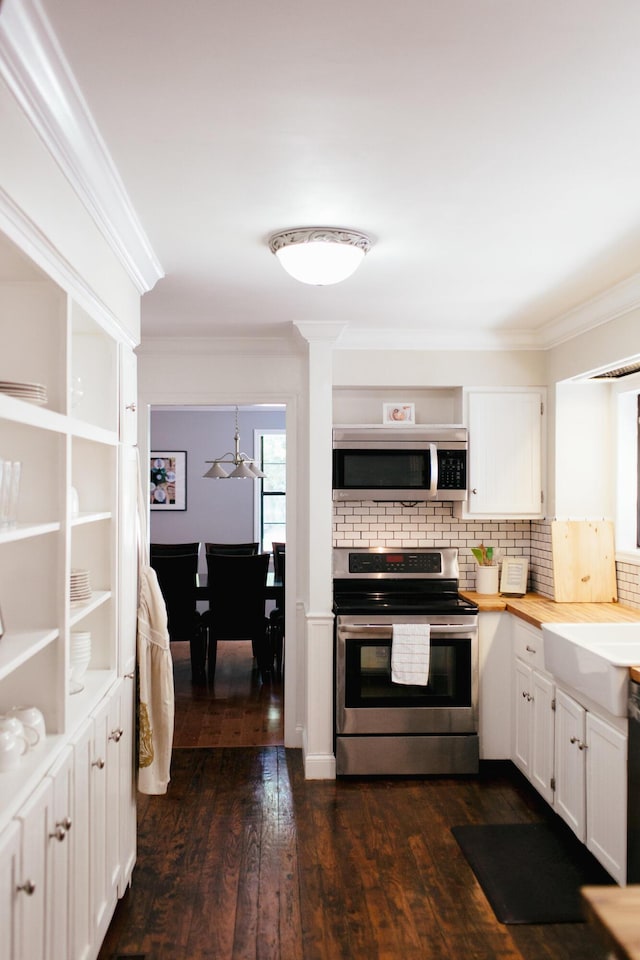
x=537 y=609
x=614 y=912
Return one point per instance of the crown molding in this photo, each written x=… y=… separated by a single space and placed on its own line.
x=32 y=241
x=35 y=70
x=246 y=347
x=614 y=302
x=428 y=339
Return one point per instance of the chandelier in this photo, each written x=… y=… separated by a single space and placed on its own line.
x=320 y=255
x=244 y=467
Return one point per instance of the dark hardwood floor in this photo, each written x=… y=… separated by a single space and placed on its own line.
x=244 y=858
x=238 y=711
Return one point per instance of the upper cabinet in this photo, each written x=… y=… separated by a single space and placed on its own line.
x=507 y=436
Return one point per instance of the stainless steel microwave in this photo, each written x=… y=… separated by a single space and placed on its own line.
x=400 y=463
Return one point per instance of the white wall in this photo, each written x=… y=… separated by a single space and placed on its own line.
x=217 y=510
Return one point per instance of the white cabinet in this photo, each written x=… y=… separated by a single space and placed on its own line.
x=10 y=896
x=59 y=847
x=128 y=395
x=506 y=453
x=591 y=782
x=533 y=726
x=36 y=821
x=71 y=802
x=103 y=807
x=533 y=705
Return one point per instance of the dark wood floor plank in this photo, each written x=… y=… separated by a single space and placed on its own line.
x=244 y=859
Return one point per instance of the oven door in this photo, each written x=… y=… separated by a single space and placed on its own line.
x=367 y=702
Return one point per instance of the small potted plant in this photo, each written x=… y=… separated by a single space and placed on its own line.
x=488 y=570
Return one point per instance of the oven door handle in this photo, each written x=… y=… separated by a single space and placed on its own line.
x=386 y=629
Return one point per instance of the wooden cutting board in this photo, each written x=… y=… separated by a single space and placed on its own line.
x=584 y=567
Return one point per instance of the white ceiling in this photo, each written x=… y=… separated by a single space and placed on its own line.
x=491 y=148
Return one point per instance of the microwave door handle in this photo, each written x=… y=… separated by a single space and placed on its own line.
x=433 y=489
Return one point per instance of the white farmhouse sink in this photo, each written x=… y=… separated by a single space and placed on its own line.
x=594 y=659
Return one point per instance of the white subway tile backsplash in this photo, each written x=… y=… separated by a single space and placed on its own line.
x=433 y=525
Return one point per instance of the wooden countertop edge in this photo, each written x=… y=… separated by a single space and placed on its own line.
x=614 y=913
x=536 y=609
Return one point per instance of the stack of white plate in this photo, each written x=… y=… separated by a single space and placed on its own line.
x=79 y=657
x=33 y=392
x=80 y=586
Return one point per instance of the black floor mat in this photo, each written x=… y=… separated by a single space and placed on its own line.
x=530 y=872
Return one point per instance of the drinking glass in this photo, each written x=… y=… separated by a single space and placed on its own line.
x=9 y=492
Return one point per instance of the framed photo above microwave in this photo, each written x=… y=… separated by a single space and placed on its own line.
x=398 y=413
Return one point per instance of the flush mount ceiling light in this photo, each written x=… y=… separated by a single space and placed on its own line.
x=320 y=255
x=244 y=467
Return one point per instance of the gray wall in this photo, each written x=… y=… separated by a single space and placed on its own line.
x=218 y=510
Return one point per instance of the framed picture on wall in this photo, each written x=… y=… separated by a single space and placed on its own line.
x=168 y=480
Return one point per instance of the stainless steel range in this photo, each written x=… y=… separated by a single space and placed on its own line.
x=382 y=727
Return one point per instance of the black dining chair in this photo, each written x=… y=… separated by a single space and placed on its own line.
x=236 y=587
x=232 y=549
x=276 y=617
x=176 y=565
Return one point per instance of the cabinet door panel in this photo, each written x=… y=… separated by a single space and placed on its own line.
x=607 y=796
x=35 y=817
x=521 y=753
x=570 y=763
x=128 y=824
x=505 y=453
x=10 y=898
x=58 y=858
x=82 y=934
x=541 y=771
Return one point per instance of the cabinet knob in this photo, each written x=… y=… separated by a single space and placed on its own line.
x=130 y=676
x=99 y=763
x=475 y=490
x=66 y=823
x=27 y=887
x=58 y=834
x=131 y=406
x=116 y=734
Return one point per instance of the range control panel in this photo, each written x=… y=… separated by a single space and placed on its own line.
x=395 y=562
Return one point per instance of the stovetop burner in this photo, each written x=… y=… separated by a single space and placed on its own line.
x=414 y=581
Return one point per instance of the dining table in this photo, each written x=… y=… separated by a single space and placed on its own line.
x=274 y=589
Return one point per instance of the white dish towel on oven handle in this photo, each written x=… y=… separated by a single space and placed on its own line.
x=410 y=653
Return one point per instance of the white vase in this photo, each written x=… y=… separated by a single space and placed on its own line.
x=487 y=580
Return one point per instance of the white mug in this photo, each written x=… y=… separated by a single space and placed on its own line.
x=32 y=720
x=12 y=747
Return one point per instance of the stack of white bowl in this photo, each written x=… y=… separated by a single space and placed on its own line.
x=79 y=654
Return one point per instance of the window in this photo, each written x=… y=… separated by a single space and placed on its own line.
x=272 y=490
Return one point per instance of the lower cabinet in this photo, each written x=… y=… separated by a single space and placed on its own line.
x=103 y=799
x=68 y=853
x=532 y=742
x=533 y=729
x=574 y=756
x=10 y=895
x=591 y=782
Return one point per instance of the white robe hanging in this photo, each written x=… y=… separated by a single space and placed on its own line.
x=156 y=705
